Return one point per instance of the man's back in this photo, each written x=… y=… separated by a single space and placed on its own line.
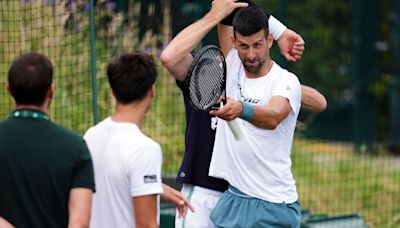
x=39 y=164
x=127 y=164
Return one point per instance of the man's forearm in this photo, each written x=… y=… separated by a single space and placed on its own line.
x=79 y=207
x=188 y=39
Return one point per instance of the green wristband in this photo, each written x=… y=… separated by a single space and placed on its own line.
x=247 y=111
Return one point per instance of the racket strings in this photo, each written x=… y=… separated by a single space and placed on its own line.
x=207 y=80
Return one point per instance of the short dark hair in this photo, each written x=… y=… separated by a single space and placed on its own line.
x=30 y=77
x=250 y=20
x=131 y=76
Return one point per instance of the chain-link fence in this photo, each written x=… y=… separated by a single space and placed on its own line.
x=339 y=157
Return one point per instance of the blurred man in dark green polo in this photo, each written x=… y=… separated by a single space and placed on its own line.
x=46 y=171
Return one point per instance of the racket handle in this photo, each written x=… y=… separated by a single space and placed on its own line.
x=233 y=126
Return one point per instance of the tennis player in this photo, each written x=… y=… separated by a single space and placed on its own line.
x=202 y=190
x=127 y=163
x=265 y=101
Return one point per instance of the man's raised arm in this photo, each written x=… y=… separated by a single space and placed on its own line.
x=176 y=56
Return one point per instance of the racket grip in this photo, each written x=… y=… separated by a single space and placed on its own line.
x=233 y=126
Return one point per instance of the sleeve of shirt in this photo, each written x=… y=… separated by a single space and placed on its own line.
x=288 y=86
x=83 y=175
x=230 y=57
x=180 y=84
x=144 y=170
x=276 y=28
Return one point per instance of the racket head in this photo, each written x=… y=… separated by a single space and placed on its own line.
x=206 y=78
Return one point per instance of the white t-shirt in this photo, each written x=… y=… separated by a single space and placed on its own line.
x=127 y=164
x=259 y=164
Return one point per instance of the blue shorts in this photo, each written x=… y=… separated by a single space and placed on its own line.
x=236 y=209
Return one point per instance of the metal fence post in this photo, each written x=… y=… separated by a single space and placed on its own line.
x=394 y=93
x=364 y=72
x=95 y=108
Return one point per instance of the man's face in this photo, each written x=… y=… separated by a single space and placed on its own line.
x=253 y=51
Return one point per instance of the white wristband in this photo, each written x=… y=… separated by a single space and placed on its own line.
x=276 y=28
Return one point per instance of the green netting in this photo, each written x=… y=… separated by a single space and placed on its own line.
x=331 y=177
x=36 y=26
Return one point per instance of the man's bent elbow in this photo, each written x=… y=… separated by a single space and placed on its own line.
x=322 y=105
x=271 y=124
x=317 y=106
x=166 y=59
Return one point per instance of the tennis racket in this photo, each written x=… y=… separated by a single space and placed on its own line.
x=206 y=82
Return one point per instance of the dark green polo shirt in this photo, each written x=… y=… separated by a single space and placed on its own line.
x=40 y=162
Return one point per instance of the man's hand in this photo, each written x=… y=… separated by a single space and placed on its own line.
x=174 y=197
x=291 y=45
x=230 y=111
x=223 y=8
x=229 y=19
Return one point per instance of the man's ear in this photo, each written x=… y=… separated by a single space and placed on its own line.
x=9 y=89
x=152 y=91
x=51 y=91
x=233 y=41
x=270 y=40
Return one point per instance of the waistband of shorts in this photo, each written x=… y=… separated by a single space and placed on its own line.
x=203 y=190
x=237 y=192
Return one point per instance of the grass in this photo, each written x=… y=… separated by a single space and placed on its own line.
x=332 y=179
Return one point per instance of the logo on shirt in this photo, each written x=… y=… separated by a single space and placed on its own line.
x=245 y=98
x=251 y=100
x=150 y=179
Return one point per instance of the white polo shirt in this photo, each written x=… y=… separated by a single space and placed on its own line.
x=127 y=164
